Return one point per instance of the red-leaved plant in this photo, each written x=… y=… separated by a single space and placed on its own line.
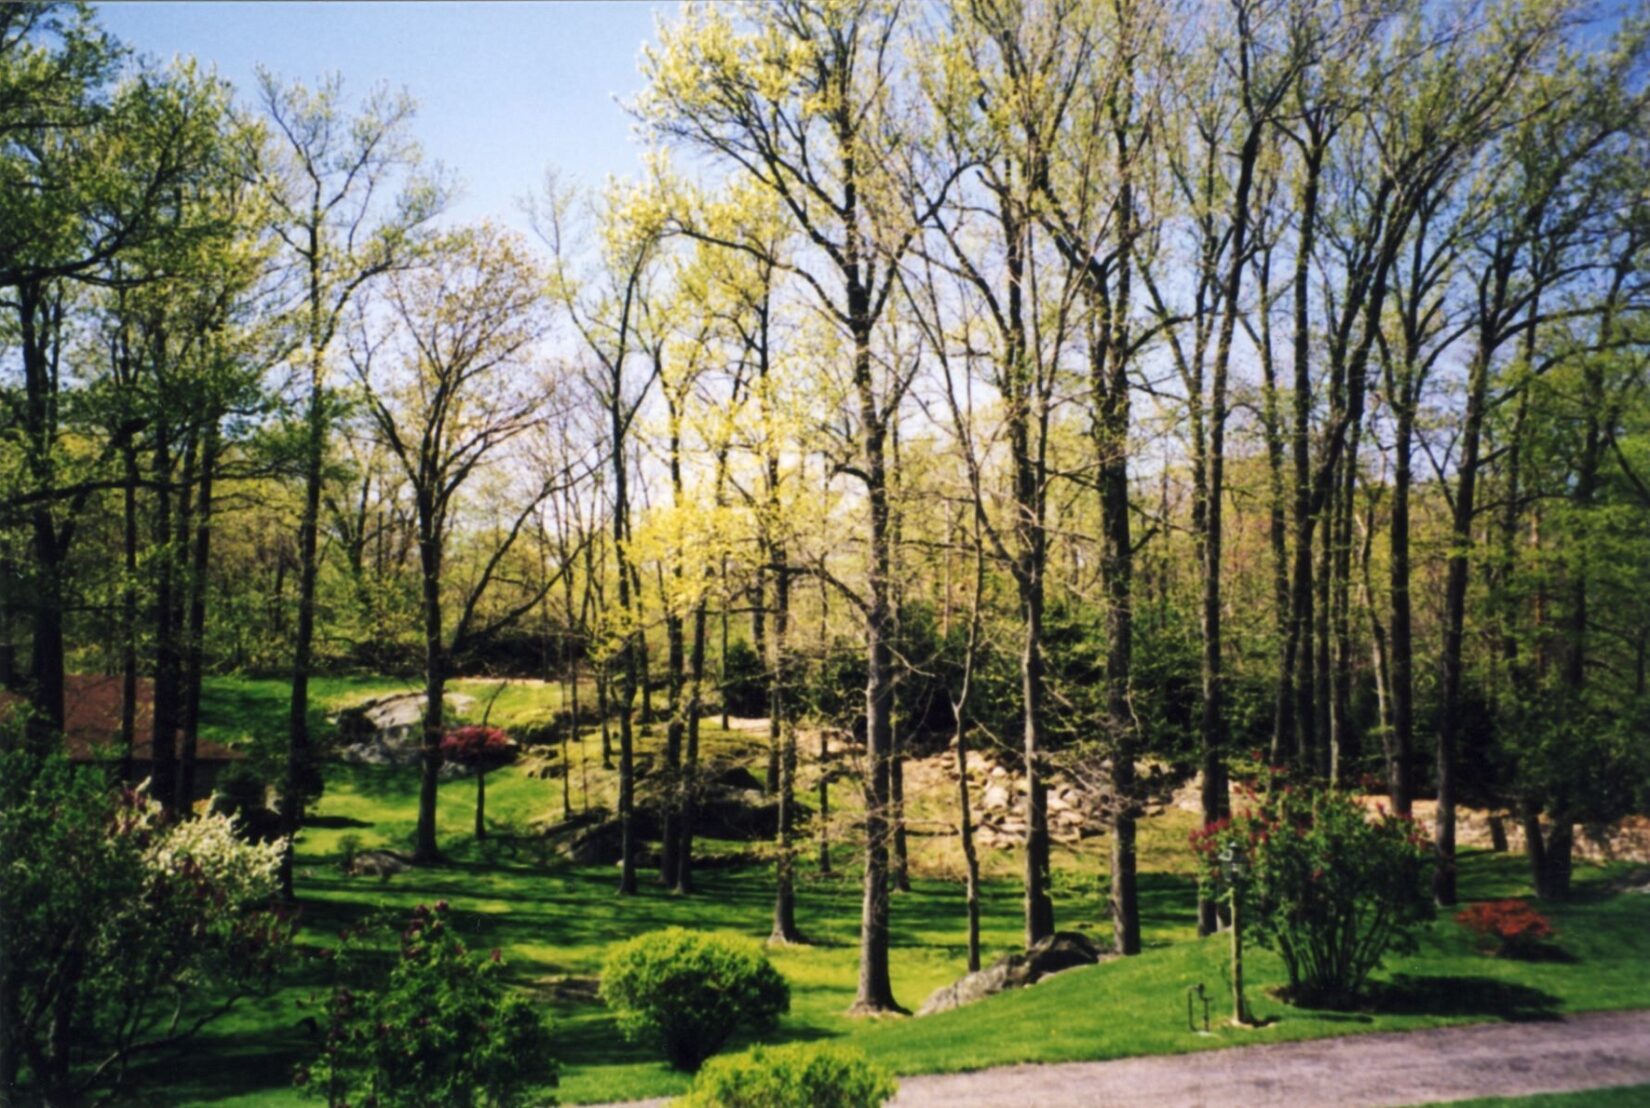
x=1515 y=929
x=481 y=748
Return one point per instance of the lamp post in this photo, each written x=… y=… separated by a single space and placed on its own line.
x=1235 y=866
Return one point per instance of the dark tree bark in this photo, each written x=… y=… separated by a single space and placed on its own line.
x=784 y=902
x=1212 y=720
x=129 y=616
x=1295 y=730
x=675 y=668
x=298 y=752
x=195 y=649
x=1343 y=743
x=168 y=679
x=959 y=712
x=426 y=851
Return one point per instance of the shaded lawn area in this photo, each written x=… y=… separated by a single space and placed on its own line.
x=553 y=921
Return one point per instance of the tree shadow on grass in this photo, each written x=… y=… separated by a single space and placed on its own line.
x=335 y=823
x=1548 y=953
x=1415 y=995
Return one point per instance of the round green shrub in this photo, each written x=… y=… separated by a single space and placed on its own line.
x=690 y=992
x=800 y=1075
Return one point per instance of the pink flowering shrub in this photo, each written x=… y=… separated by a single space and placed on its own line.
x=1327 y=887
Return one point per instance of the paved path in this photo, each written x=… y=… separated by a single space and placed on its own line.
x=1357 y=1071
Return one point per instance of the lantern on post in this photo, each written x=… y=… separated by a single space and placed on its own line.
x=1234 y=866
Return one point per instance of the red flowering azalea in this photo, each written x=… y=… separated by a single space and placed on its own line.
x=1515 y=928
x=481 y=748
x=478 y=746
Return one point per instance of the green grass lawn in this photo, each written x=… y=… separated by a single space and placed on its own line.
x=553 y=921
x=245 y=710
x=1617 y=1096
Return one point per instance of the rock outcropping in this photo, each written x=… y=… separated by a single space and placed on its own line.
x=1062 y=950
x=385 y=730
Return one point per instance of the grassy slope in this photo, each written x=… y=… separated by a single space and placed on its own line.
x=554 y=920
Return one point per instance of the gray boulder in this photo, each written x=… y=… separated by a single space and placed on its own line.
x=387 y=730
x=1062 y=950
x=382 y=864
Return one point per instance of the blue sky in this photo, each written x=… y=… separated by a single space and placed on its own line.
x=504 y=89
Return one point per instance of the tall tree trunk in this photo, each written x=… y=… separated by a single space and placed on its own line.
x=1403 y=650
x=1322 y=669
x=1558 y=862
x=129 y=616
x=683 y=878
x=1039 y=905
x=875 y=992
x=900 y=859
x=1379 y=650
x=195 y=651
x=959 y=712
x=298 y=752
x=604 y=707
x=824 y=802
x=1455 y=611
x=570 y=732
x=1300 y=737
x=45 y=598
x=722 y=658
x=675 y=664
x=779 y=710
x=1343 y=746
x=1117 y=572
x=168 y=657
x=1283 y=701
x=1212 y=721
x=425 y=849
x=1117 y=562
x=628 y=653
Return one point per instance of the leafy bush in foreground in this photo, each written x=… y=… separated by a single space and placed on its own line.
x=443 y=1028
x=691 y=991
x=124 y=931
x=800 y=1075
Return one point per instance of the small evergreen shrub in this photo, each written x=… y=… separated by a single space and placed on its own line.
x=690 y=992
x=799 y=1075
x=1512 y=927
x=1330 y=887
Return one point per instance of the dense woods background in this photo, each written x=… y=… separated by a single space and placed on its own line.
x=1120 y=385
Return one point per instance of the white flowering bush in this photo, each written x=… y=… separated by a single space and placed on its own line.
x=136 y=929
x=208 y=848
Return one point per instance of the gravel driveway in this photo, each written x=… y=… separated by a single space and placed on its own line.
x=1394 y=1068
x=1587 y=1051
